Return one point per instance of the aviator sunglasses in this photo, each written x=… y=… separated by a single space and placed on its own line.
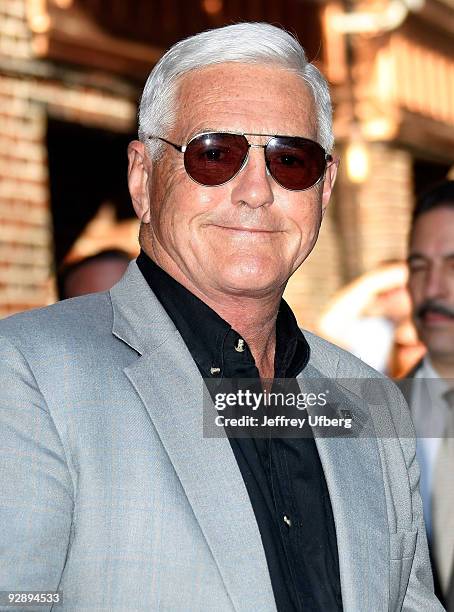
x=214 y=158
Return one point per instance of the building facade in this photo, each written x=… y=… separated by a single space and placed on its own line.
x=71 y=72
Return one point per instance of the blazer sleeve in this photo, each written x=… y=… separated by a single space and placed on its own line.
x=419 y=593
x=36 y=490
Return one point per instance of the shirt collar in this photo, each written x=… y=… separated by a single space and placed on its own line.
x=436 y=386
x=208 y=336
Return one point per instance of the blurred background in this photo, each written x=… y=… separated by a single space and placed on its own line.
x=71 y=73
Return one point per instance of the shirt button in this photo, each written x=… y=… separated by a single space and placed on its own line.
x=239 y=346
x=287 y=521
x=214 y=371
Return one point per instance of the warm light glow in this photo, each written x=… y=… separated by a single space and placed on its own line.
x=212 y=7
x=385 y=76
x=385 y=19
x=39 y=23
x=105 y=231
x=357 y=161
x=380 y=128
x=63 y=4
x=38 y=16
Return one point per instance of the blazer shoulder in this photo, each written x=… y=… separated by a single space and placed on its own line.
x=326 y=357
x=75 y=319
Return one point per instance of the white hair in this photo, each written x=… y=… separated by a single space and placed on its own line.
x=252 y=43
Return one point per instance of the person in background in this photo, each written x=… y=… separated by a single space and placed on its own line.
x=97 y=272
x=371 y=318
x=110 y=491
x=431 y=382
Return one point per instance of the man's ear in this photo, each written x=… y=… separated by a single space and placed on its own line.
x=139 y=170
x=328 y=183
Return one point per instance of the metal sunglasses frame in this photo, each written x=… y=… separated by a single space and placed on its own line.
x=183 y=148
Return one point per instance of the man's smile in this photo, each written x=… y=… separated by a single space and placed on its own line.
x=248 y=230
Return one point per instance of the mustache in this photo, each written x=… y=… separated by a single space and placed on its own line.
x=434 y=306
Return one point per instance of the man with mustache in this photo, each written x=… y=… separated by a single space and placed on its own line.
x=431 y=285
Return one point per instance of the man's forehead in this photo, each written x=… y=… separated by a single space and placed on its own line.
x=254 y=136
x=239 y=69
x=245 y=98
x=428 y=222
x=434 y=230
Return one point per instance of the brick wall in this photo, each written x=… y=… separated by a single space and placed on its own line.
x=29 y=93
x=365 y=225
x=24 y=233
x=385 y=203
x=319 y=277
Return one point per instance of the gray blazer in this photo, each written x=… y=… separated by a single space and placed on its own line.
x=110 y=493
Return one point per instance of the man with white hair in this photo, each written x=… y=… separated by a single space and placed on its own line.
x=111 y=492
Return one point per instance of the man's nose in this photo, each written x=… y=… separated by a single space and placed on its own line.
x=435 y=285
x=253 y=185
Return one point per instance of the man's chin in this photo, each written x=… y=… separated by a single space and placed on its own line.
x=251 y=284
x=438 y=339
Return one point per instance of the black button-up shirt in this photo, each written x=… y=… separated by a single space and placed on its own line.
x=284 y=477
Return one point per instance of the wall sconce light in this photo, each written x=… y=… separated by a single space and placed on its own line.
x=357 y=161
x=212 y=7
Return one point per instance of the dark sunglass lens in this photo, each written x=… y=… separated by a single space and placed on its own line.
x=295 y=163
x=213 y=159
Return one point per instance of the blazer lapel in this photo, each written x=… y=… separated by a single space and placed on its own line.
x=354 y=476
x=171 y=388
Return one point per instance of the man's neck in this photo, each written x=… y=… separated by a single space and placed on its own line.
x=253 y=317
x=257 y=325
